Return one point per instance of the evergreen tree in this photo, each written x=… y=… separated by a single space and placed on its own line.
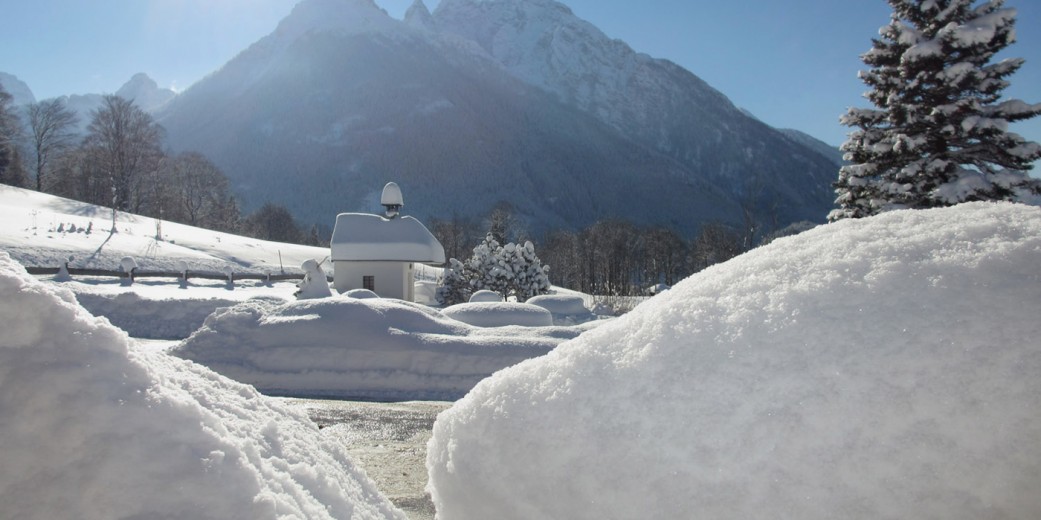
x=455 y=284
x=511 y=270
x=939 y=133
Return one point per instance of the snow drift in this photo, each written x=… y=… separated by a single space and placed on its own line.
x=878 y=368
x=369 y=348
x=93 y=429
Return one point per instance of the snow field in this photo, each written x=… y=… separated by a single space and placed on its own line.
x=92 y=429
x=876 y=368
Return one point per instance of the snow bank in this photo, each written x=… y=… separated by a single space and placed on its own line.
x=877 y=368
x=346 y=347
x=93 y=430
x=501 y=314
x=485 y=295
x=141 y=317
x=566 y=308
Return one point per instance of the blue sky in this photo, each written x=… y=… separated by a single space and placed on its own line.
x=792 y=63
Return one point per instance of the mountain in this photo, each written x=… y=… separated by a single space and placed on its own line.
x=141 y=89
x=482 y=102
x=19 y=91
x=828 y=150
x=145 y=92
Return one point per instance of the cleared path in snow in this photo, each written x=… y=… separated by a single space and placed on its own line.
x=388 y=440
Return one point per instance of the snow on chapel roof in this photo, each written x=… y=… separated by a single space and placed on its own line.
x=367 y=237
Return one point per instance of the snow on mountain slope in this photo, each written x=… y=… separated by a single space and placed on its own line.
x=653 y=101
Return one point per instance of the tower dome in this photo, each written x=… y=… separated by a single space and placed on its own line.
x=392 y=200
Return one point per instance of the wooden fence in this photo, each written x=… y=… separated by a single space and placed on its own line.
x=179 y=275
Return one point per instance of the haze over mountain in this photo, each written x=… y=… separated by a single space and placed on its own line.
x=141 y=89
x=481 y=102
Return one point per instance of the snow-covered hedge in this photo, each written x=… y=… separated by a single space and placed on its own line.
x=347 y=347
x=91 y=428
x=877 y=368
x=500 y=314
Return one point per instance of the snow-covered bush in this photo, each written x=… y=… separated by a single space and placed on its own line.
x=872 y=368
x=510 y=270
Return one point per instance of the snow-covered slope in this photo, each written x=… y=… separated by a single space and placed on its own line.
x=42 y=230
x=93 y=428
x=876 y=368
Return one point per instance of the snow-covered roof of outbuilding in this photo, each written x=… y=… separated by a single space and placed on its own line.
x=372 y=238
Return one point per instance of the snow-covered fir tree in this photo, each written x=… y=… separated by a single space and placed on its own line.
x=455 y=286
x=510 y=270
x=939 y=133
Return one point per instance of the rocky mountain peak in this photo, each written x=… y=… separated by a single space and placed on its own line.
x=145 y=92
x=418 y=15
x=19 y=91
x=347 y=16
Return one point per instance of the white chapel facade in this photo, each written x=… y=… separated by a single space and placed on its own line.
x=379 y=253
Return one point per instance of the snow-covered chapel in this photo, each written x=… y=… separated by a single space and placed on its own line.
x=379 y=253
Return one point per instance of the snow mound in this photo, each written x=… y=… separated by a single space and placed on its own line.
x=361 y=294
x=150 y=318
x=877 y=368
x=484 y=296
x=501 y=314
x=347 y=347
x=565 y=308
x=92 y=429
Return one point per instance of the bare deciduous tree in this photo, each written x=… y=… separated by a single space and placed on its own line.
x=123 y=143
x=10 y=134
x=51 y=126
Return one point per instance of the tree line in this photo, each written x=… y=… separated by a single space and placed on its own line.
x=609 y=258
x=121 y=163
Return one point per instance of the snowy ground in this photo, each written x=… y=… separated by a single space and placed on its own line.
x=878 y=368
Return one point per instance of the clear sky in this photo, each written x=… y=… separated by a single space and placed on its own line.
x=792 y=63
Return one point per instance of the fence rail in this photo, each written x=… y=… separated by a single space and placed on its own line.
x=185 y=275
